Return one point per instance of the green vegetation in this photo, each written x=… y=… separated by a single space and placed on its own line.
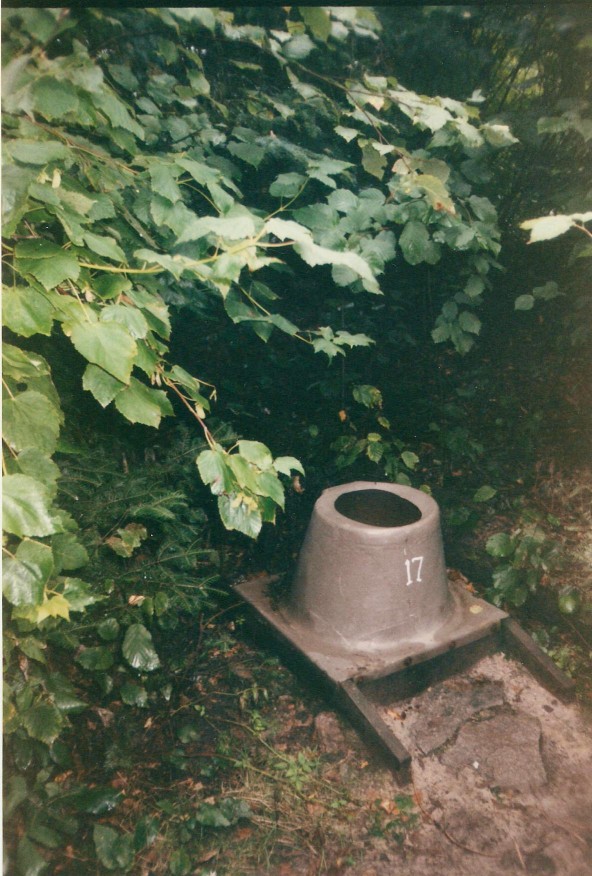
x=247 y=254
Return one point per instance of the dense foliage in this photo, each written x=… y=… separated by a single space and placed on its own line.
x=226 y=180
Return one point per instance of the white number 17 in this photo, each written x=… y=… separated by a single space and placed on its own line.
x=408 y=565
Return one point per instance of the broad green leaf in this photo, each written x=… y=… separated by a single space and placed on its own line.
x=410 y=459
x=68 y=553
x=104 y=246
x=243 y=472
x=238 y=515
x=129 y=317
x=108 y=629
x=475 y=286
x=287 y=185
x=52 y=98
x=524 y=302
x=214 y=471
x=64 y=694
x=30 y=420
x=79 y=594
x=372 y=161
x=231 y=227
x=287 y=464
x=569 y=600
x=317 y=20
x=110 y=285
x=251 y=153
x=414 y=242
x=134 y=695
x=298 y=47
x=28 y=860
x=36 y=151
x=484 y=494
x=46 y=262
x=498 y=135
x=164 y=180
x=140 y=404
x=469 y=322
x=138 y=649
x=25 y=311
x=43 y=721
x=96 y=658
x=21 y=584
x=16 y=792
x=547 y=227
x=116 y=112
x=108 y=345
x=499 y=545
x=114 y=850
x=256 y=452
x=268 y=484
x=103 y=386
x=369 y=396
x=25 y=507
x=547 y=292
x=22 y=365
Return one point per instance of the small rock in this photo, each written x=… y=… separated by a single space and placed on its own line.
x=328 y=733
x=507 y=748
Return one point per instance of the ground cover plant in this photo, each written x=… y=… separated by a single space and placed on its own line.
x=273 y=226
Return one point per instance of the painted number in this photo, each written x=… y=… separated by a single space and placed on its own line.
x=413 y=566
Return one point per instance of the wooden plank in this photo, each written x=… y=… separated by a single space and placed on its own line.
x=363 y=714
x=516 y=641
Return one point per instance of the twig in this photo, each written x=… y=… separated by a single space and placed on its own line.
x=440 y=827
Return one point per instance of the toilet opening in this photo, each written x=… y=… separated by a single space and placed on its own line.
x=377 y=508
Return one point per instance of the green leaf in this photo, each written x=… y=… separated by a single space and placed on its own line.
x=569 y=600
x=230 y=227
x=103 y=386
x=372 y=161
x=475 y=286
x=68 y=553
x=30 y=420
x=115 y=851
x=164 y=180
x=134 y=695
x=108 y=629
x=129 y=317
x=36 y=151
x=140 y=404
x=214 y=471
x=469 y=322
x=414 y=242
x=138 y=649
x=298 y=47
x=484 y=494
x=548 y=227
x=28 y=860
x=127 y=539
x=26 y=312
x=500 y=545
x=96 y=658
x=46 y=262
x=16 y=793
x=104 y=246
x=524 y=302
x=317 y=20
x=238 y=515
x=255 y=452
x=53 y=98
x=37 y=465
x=108 y=345
x=547 y=292
x=269 y=485
x=25 y=507
x=24 y=576
x=410 y=459
x=287 y=464
x=79 y=594
x=287 y=185
x=369 y=396
x=44 y=722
